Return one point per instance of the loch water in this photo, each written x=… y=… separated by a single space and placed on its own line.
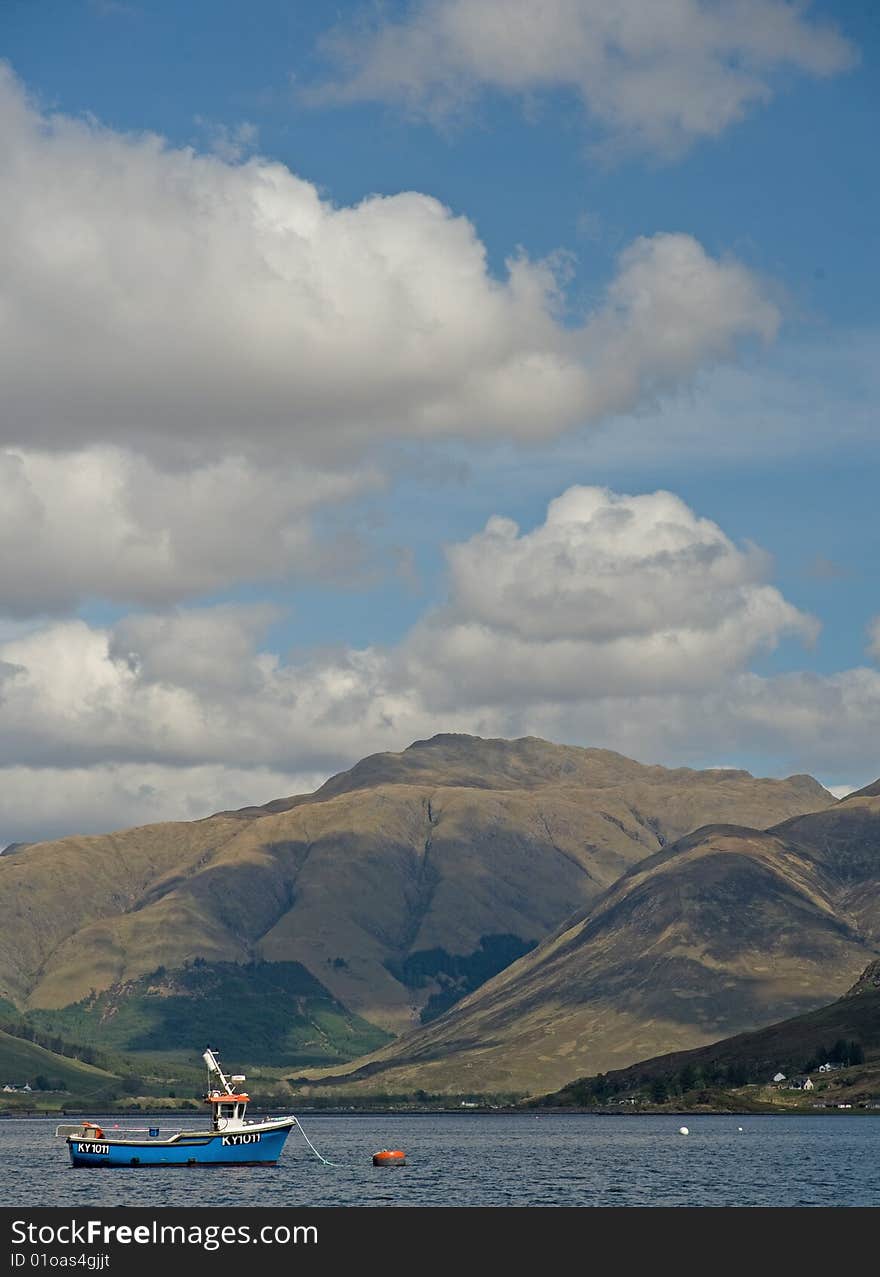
x=484 y=1159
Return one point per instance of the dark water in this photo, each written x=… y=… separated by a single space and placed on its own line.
x=488 y=1160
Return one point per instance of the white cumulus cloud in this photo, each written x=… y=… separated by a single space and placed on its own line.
x=658 y=74
x=104 y=522
x=623 y=621
x=199 y=355
x=611 y=595
x=51 y=802
x=184 y=306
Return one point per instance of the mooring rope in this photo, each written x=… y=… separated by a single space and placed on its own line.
x=314 y=1150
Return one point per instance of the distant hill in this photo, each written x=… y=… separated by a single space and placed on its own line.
x=272 y=1012
x=727 y=929
x=791 y=1047
x=399 y=886
x=25 y=1062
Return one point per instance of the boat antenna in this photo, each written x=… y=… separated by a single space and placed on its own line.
x=213 y=1064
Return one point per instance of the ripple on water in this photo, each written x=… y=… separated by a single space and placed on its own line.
x=491 y=1160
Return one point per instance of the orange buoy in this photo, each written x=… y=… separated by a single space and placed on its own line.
x=390 y=1157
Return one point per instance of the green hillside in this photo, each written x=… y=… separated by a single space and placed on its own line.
x=262 y=1012
x=22 y=1061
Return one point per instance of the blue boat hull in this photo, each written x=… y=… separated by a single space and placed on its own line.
x=261 y=1148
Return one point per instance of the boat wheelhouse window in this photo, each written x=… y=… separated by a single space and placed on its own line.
x=227 y=1110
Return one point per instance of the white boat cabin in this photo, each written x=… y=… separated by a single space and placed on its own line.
x=227 y=1111
x=228 y=1106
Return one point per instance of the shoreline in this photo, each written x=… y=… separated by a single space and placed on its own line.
x=561 y=1111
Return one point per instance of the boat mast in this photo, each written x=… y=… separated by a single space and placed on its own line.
x=214 y=1067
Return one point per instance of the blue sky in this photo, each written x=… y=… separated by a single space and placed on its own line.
x=758 y=156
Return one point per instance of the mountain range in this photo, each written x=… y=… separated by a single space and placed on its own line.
x=328 y=922
x=726 y=929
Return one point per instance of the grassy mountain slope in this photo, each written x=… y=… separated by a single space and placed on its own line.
x=788 y=1047
x=22 y=1061
x=456 y=852
x=266 y=1012
x=50 y=891
x=727 y=929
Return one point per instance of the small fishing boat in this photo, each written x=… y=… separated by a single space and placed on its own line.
x=231 y=1140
